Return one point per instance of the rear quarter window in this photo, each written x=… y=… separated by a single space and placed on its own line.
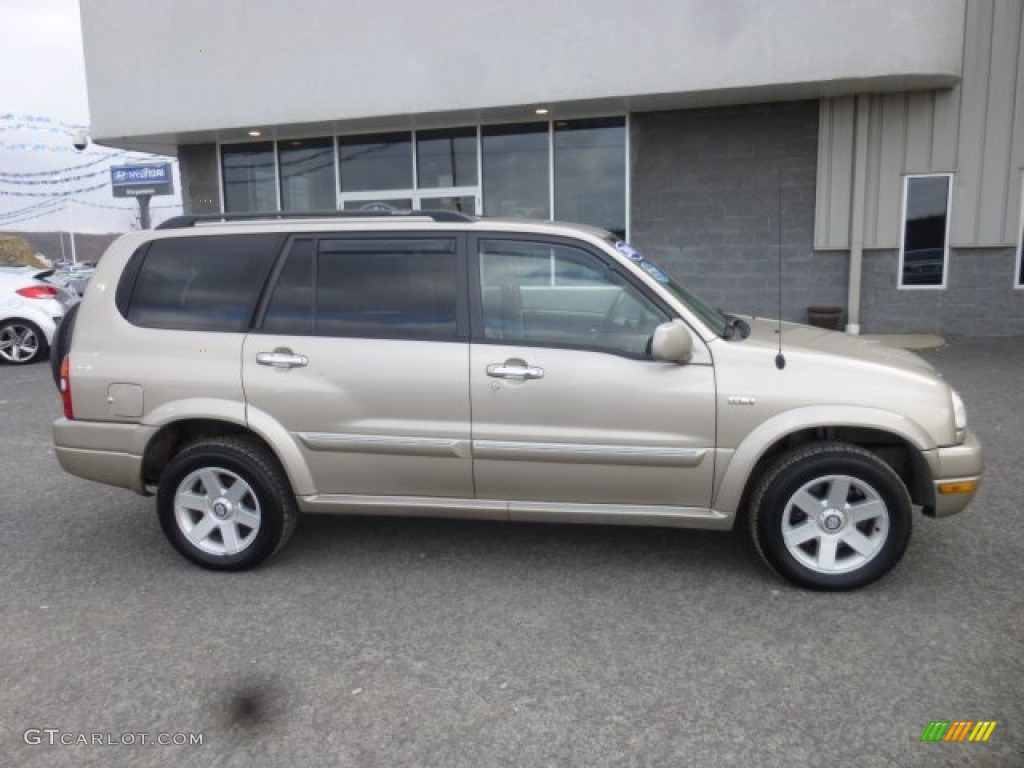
x=202 y=283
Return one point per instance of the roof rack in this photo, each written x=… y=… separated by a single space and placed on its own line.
x=183 y=222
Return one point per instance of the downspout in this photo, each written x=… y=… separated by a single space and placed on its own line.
x=860 y=172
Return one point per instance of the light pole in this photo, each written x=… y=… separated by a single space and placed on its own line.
x=80 y=140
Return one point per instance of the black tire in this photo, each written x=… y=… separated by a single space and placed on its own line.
x=62 y=342
x=805 y=487
x=17 y=326
x=242 y=532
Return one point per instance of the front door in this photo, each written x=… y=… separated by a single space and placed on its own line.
x=568 y=406
x=361 y=355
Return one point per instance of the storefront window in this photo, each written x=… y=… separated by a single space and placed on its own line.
x=515 y=177
x=446 y=158
x=372 y=162
x=307 y=174
x=249 y=177
x=925 y=231
x=590 y=173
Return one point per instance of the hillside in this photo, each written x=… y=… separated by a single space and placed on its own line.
x=88 y=247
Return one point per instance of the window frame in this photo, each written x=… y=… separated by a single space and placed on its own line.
x=462 y=311
x=1018 y=270
x=903 y=232
x=477 y=335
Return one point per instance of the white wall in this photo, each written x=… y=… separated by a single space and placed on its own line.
x=171 y=67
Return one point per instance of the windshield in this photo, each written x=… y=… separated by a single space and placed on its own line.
x=712 y=318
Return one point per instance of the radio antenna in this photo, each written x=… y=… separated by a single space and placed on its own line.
x=780 y=359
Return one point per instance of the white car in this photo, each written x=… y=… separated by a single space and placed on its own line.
x=30 y=311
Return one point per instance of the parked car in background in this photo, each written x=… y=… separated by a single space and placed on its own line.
x=74 y=280
x=30 y=311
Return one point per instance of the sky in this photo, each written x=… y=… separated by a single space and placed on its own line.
x=45 y=183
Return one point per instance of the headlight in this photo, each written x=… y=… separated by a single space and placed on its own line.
x=959 y=416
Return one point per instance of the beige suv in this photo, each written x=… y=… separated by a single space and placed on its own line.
x=439 y=365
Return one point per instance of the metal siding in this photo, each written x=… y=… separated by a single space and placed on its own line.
x=1012 y=225
x=973 y=108
x=889 y=189
x=918 y=137
x=974 y=130
x=835 y=173
x=945 y=129
x=994 y=182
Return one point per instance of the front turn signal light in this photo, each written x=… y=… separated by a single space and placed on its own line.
x=968 y=486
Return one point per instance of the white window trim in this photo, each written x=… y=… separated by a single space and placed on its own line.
x=1018 y=279
x=903 y=233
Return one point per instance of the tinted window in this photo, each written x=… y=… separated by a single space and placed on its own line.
x=924 y=232
x=249 y=177
x=290 y=309
x=446 y=158
x=202 y=283
x=379 y=161
x=386 y=287
x=590 y=173
x=545 y=294
x=307 y=174
x=516 y=171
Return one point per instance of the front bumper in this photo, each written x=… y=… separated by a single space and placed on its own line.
x=956 y=473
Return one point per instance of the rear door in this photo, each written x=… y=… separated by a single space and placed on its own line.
x=361 y=354
x=568 y=406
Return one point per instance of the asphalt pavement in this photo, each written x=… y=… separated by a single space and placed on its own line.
x=379 y=642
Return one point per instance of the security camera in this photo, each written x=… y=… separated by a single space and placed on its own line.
x=80 y=140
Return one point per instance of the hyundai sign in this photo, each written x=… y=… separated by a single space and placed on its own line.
x=136 y=180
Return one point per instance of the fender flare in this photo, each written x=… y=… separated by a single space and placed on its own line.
x=732 y=483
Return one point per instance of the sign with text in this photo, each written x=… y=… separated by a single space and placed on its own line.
x=136 y=180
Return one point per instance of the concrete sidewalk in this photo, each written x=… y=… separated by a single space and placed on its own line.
x=915 y=341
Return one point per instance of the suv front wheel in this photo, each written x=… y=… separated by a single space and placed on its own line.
x=225 y=504
x=830 y=516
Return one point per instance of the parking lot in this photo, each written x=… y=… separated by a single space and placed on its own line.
x=378 y=642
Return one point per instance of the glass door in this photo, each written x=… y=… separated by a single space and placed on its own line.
x=460 y=199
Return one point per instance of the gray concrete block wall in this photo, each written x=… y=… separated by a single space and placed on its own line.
x=705 y=193
x=200 y=178
x=979 y=298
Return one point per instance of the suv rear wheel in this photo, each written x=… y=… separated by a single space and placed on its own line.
x=225 y=504
x=831 y=516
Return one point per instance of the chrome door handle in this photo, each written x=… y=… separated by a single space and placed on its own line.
x=282 y=358
x=519 y=372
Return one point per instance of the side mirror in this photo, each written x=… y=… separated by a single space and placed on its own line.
x=672 y=343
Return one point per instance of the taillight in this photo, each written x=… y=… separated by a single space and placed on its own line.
x=38 y=292
x=65 y=387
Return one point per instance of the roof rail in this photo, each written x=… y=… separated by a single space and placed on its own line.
x=190 y=220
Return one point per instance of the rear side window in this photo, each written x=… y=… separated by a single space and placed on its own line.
x=393 y=287
x=202 y=283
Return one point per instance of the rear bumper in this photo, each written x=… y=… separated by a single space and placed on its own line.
x=956 y=473
x=107 y=453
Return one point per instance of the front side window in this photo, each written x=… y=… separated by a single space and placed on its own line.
x=557 y=295
x=202 y=283
x=925 y=243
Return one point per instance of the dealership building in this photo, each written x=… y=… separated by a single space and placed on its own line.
x=867 y=153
